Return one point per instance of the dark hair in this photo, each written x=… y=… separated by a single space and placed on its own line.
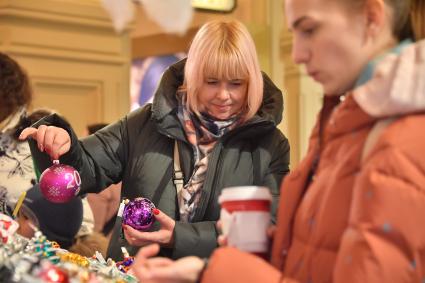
x=93 y=128
x=401 y=22
x=15 y=89
x=418 y=18
x=27 y=121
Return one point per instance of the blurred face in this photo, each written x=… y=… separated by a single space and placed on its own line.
x=329 y=38
x=222 y=98
x=24 y=226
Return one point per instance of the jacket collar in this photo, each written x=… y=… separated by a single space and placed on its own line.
x=396 y=86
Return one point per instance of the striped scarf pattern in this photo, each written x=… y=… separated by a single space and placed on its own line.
x=202 y=132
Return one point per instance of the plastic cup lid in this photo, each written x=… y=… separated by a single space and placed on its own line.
x=244 y=193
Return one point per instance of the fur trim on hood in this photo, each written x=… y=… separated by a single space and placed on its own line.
x=397 y=86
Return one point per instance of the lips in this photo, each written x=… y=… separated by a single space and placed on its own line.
x=222 y=107
x=314 y=75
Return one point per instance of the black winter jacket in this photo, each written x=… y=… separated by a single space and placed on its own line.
x=138 y=150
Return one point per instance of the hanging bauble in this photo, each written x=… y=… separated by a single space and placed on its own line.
x=60 y=183
x=138 y=214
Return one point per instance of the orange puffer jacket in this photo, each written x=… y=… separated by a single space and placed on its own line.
x=344 y=220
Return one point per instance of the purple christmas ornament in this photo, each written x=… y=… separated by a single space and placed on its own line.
x=60 y=183
x=139 y=214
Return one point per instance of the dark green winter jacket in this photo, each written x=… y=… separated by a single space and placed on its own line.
x=138 y=150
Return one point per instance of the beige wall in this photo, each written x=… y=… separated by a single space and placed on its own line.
x=77 y=64
x=80 y=66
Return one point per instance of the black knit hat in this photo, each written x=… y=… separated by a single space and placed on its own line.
x=59 y=222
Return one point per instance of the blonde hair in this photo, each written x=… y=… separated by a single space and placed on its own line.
x=223 y=50
x=87 y=245
x=418 y=18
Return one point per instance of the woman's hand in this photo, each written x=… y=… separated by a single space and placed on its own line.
x=164 y=236
x=53 y=140
x=164 y=270
x=222 y=239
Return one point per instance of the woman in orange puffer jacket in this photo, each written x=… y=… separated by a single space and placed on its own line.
x=353 y=211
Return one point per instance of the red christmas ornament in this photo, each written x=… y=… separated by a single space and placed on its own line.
x=53 y=274
x=60 y=183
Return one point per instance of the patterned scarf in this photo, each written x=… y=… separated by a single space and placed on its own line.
x=202 y=132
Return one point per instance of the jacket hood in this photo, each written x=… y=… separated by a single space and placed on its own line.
x=397 y=85
x=165 y=100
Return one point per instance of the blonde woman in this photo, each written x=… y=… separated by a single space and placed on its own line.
x=222 y=114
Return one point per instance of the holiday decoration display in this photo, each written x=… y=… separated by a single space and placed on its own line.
x=60 y=183
x=125 y=264
x=40 y=260
x=53 y=274
x=7 y=227
x=138 y=214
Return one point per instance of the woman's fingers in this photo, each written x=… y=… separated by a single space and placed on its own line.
x=159 y=262
x=139 y=238
x=164 y=236
x=270 y=231
x=219 y=226
x=49 y=136
x=28 y=132
x=148 y=251
x=166 y=221
x=41 y=131
x=53 y=140
x=222 y=240
x=60 y=145
x=130 y=235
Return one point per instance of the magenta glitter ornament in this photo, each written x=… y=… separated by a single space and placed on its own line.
x=60 y=183
x=139 y=214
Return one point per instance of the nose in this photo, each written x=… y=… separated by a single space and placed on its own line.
x=223 y=93
x=300 y=53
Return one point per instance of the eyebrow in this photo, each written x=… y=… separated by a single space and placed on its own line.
x=298 y=22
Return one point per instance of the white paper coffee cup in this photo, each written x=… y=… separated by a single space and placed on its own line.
x=245 y=217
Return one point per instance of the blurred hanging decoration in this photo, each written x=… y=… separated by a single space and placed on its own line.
x=171 y=15
x=121 y=12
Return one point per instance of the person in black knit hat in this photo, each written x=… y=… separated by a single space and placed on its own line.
x=58 y=222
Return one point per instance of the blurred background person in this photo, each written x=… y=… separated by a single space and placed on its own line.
x=60 y=222
x=16 y=166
